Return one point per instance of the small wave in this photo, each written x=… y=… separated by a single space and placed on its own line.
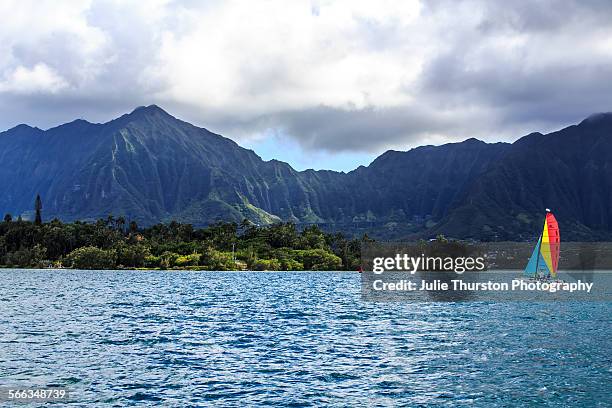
x=141 y=396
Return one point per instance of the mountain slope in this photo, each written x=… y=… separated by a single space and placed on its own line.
x=150 y=167
x=569 y=171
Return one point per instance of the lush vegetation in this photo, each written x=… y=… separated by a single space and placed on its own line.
x=113 y=243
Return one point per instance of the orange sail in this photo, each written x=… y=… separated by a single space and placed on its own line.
x=551 y=243
x=555 y=241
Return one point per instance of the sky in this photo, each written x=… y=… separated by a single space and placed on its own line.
x=319 y=84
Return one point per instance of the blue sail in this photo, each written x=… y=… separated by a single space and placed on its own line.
x=532 y=265
x=543 y=270
x=536 y=265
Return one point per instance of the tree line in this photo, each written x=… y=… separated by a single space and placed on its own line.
x=113 y=243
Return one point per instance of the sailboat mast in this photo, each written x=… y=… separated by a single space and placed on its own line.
x=538 y=257
x=540 y=246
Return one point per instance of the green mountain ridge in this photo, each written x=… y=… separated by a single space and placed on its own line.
x=150 y=167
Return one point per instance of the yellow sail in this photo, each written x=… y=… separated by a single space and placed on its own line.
x=545 y=249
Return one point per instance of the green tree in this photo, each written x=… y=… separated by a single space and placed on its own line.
x=27 y=257
x=187 y=260
x=312 y=237
x=152 y=261
x=288 y=264
x=110 y=221
x=167 y=259
x=132 y=255
x=215 y=260
x=120 y=223
x=92 y=258
x=133 y=227
x=267 y=265
x=282 y=235
x=319 y=260
x=38 y=209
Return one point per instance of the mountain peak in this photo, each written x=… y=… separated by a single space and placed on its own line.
x=149 y=110
x=471 y=141
x=21 y=126
x=22 y=129
x=598 y=118
x=148 y=113
x=74 y=127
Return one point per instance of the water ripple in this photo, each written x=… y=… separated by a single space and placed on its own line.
x=290 y=339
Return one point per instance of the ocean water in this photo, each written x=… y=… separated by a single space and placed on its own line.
x=137 y=338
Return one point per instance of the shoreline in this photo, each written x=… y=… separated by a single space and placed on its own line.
x=161 y=269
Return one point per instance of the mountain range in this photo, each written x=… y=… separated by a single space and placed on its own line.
x=151 y=167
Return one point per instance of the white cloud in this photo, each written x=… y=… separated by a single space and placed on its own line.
x=332 y=75
x=50 y=37
x=40 y=78
x=270 y=56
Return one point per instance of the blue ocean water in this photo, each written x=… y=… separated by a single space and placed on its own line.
x=137 y=338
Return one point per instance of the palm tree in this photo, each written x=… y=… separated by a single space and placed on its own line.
x=133 y=227
x=120 y=223
x=38 y=207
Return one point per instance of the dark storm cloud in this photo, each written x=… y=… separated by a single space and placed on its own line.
x=516 y=67
x=560 y=73
x=526 y=16
x=554 y=93
x=335 y=129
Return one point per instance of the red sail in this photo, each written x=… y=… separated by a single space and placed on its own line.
x=555 y=240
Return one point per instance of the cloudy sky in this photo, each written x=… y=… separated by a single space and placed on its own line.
x=320 y=84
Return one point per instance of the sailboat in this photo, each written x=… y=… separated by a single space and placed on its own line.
x=545 y=257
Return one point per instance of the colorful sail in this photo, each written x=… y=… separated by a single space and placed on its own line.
x=532 y=266
x=536 y=265
x=545 y=257
x=553 y=239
